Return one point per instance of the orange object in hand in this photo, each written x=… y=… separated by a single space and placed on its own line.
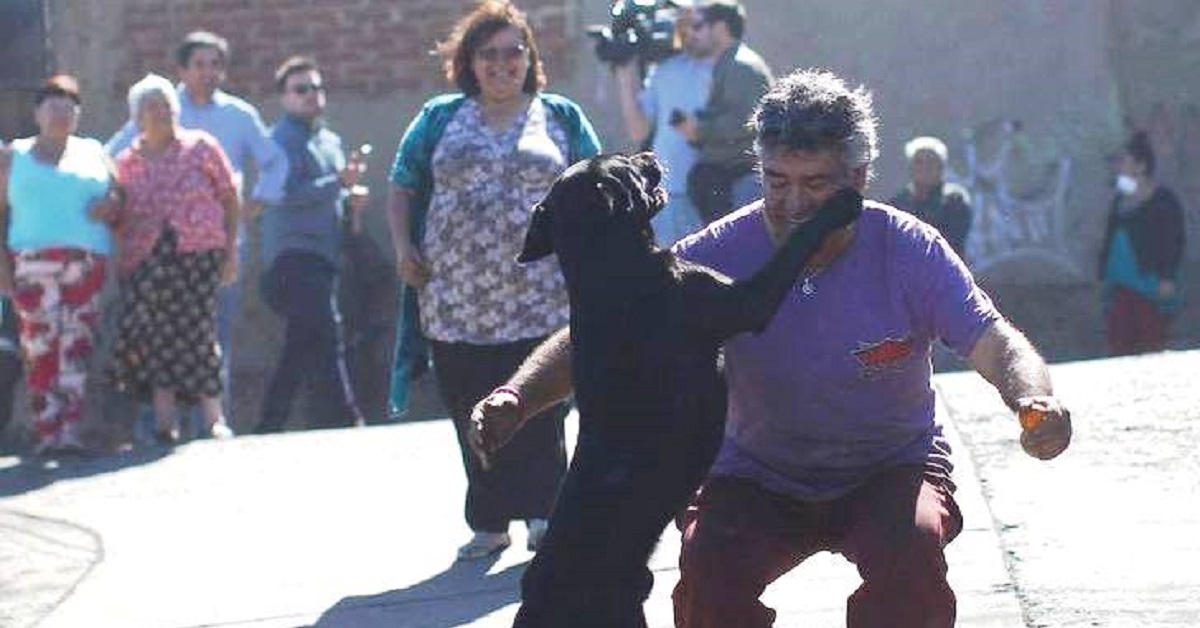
x=1030 y=417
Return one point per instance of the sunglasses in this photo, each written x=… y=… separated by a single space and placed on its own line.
x=304 y=88
x=510 y=53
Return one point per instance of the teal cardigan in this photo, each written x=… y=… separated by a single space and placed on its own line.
x=413 y=169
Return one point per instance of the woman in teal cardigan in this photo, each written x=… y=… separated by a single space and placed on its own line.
x=468 y=170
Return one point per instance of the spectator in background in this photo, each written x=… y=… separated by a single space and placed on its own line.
x=723 y=177
x=56 y=195
x=178 y=244
x=1141 y=255
x=202 y=58
x=301 y=240
x=675 y=87
x=469 y=169
x=946 y=206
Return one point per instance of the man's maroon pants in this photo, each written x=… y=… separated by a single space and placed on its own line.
x=738 y=538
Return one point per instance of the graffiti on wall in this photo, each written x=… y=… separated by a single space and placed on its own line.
x=1019 y=199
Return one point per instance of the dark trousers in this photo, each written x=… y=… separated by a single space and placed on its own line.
x=524 y=476
x=738 y=538
x=300 y=287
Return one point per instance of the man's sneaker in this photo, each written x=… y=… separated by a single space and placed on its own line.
x=537 y=531
x=484 y=544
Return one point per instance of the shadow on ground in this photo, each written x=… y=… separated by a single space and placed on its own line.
x=463 y=593
x=25 y=474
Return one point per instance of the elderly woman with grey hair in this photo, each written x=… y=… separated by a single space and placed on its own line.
x=177 y=247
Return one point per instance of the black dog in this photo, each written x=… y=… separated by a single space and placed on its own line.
x=646 y=330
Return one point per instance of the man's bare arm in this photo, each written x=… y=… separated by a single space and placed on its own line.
x=542 y=380
x=1006 y=359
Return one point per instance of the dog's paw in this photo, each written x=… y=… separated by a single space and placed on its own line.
x=843 y=208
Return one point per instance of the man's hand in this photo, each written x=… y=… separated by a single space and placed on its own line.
x=105 y=209
x=1045 y=426
x=1166 y=288
x=353 y=172
x=493 y=422
x=412 y=267
x=689 y=129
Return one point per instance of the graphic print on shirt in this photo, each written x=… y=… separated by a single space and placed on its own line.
x=876 y=359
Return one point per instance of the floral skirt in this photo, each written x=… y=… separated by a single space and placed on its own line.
x=167 y=334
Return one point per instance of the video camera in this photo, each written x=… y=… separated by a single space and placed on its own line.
x=639 y=29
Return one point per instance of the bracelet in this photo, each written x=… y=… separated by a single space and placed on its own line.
x=510 y=390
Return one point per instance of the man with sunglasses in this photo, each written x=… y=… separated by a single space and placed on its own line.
x=723 y=177
x=301 y=237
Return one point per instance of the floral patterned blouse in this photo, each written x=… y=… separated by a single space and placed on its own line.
x=182 y=189
x=485 y=184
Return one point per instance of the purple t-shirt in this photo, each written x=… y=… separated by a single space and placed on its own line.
x=838 y=386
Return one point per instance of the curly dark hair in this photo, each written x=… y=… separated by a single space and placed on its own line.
x=815 y=110
x=473 y=30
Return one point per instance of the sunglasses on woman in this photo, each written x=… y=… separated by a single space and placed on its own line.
x=508 y=53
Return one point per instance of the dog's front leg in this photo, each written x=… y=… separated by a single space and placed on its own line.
x=761 y=295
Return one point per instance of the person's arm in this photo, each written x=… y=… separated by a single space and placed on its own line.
x=6 y=268
x=542 y=380
x=637 y=123
x=410 y=264
x=957 y=222
x=232 y=213
x=108 y=208
x=1170 y=240
x=269 y=161
x=1007 y=360
x=220 y=174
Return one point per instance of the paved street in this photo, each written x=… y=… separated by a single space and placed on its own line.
x=358 y=527
x=1109 y=535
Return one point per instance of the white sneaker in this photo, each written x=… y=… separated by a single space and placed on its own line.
x=537 y=531
x=484 y=544
x=219 y=431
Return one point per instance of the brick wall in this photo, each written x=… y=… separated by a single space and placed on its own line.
x=368 y=48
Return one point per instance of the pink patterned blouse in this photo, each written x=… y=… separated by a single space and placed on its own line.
x=182 y=188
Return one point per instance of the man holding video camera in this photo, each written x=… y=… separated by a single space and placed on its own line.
x=674 y=88
x=723 y=177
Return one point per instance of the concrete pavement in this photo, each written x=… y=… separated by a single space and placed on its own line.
x=359 y=527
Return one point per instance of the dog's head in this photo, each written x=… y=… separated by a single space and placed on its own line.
x=609 y=196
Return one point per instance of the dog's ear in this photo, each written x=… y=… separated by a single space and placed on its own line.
x=538 y=239
x=652 y=170
x=655 y=195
